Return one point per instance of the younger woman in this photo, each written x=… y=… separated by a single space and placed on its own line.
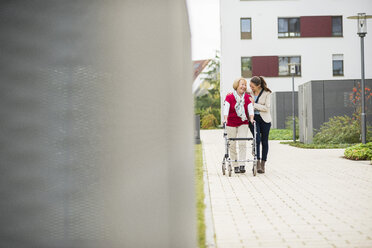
x=262 y=116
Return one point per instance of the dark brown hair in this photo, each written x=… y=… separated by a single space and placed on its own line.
x=260 y=81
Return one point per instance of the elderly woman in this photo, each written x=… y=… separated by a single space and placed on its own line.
x=237 y=110
x=261 y=105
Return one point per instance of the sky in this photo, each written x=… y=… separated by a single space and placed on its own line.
x=204 y=18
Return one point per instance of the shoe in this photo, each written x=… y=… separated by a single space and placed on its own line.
x=263 y=166
x=259 y=168
x=236 y=170
x=242 y=169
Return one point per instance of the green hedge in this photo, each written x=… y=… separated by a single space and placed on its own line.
x=359 y=152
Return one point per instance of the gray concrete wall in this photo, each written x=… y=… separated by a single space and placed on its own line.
x=304 y=106
x=96 y=124
x=281 y=108
x=322 y=99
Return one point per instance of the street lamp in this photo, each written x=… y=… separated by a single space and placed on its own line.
x=362 y=31
x=292 y=69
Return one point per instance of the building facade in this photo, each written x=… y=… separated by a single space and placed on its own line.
x=260 y=37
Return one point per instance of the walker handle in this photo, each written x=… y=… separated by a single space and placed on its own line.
x=224 y=129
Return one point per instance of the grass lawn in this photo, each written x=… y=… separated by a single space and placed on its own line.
x=281 y=134
x=316 y=146
x=287 y=134
x=200 y=206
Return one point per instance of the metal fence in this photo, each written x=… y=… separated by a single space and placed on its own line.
x=322 y=99
x=281 y=108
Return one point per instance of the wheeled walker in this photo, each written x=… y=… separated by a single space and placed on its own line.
x=226 y=162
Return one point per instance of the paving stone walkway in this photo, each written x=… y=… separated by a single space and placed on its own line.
x=306 y=198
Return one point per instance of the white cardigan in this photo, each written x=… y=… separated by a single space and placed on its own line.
x=264 y=105
x=226 y=108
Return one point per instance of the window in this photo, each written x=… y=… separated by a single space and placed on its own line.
x=245 y=28
x=288 y=27
x=284 y=62
x=336 y=25
x=246 y=65
x=338 y=64
x=310 y=26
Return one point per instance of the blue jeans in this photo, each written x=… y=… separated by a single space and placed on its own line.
x=262 y=136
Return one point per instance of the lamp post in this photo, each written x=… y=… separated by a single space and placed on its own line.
x=362 y=31
x=293 y=72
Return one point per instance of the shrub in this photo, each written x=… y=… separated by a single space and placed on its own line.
x=289 y=123
x=289 y=126
x=209 y=121
x=369 y=134
x=359 y=152
x=205 y=114
x=217 y=113
x=339 y=130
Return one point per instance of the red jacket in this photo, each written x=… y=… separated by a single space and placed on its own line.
x=233 y=120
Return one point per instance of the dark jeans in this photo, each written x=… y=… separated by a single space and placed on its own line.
x=262 y=136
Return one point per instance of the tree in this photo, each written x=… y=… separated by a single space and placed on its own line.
x=210 y=102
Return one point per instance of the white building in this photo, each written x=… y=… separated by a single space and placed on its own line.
x=260 y=37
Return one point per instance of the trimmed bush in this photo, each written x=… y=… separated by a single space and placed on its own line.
x=359 y=152
x=339 y=130
x=209 y=121
x=217 y=113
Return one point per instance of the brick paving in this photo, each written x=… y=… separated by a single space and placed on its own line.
x=306 y=198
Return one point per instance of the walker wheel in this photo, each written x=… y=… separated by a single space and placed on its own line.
x=223 y=168
x=230 y=170
x=254 y=169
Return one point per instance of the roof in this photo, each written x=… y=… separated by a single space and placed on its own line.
x=198 y=66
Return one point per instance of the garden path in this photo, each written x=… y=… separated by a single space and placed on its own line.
x=306 y=198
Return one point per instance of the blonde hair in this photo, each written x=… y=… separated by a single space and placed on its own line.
x=237 y=81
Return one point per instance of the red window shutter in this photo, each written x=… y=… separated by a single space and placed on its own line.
x=267 y=66
x=316 y=26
